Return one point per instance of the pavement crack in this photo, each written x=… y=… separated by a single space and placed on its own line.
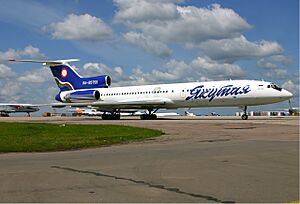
x=158 y=186
x=215 y=140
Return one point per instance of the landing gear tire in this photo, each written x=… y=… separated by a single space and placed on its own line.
x=148 y=117
x=110 y=117
x=244 y=117
x=153 y=117
x=4 y=115
x=104 y=117
x=143 y=117
x=116 y=117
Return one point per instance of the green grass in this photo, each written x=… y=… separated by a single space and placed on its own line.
x=28 y=137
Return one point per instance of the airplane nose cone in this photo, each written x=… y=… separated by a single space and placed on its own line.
x=287 y=94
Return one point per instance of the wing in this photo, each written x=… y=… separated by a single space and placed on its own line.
x=122 y=104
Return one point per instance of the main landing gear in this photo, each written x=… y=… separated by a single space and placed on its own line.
x=245 y=116
x=150 y=115
x=4 y=114
x=114 y=115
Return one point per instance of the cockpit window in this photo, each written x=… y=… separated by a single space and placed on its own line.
x=274 y=86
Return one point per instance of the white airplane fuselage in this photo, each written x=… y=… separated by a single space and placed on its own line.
x=198 y=94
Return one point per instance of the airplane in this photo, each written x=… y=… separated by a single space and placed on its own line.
x=77 y=91
x=187 y=113
x=6 y=108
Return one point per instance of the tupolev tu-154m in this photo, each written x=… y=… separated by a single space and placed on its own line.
x=95 y=92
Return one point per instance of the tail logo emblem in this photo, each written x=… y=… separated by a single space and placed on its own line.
x=64 y=73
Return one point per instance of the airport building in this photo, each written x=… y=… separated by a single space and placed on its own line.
x=264 y=113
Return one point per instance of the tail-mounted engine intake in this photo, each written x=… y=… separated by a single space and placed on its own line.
x=82 y=96
x=103 y=81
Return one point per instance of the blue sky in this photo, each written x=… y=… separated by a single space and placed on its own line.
x=146 y=42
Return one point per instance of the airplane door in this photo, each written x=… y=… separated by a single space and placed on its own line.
x=183 y=93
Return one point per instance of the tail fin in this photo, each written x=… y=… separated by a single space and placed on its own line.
x=65 y=76
x=68 y=79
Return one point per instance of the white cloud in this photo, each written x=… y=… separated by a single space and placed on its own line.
x=239 y=48
x=32 y=52
x=200 y=69
x=138 y=77
x=282 y=59
x=291 y=86
x=216 y=70
x=186 y=25
x=173 y=71
x=148 y=44
x=28 y=87
x=92 y=69
x=264 y=63
x=277 y=74
x=80 y=27
x=138 y=10
x=6 y=72
x=275 y=66
x=9 y=54
x=21 y=87
x=36 y=76
x=275 y=61
x=215 y=30
x=29 y=51
x=52 y=91
x=10 y=91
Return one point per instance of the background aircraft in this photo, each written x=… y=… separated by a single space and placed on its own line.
x=6 y=108
x=95 y=92
x=292 y=110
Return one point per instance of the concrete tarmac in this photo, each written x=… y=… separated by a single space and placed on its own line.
x=199 y=159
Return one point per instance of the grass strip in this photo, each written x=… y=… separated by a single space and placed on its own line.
x=36 y=137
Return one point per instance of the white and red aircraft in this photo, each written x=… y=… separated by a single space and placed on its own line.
x=6 y=108
x=96 y=92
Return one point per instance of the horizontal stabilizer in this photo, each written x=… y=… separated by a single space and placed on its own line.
x=48 y=62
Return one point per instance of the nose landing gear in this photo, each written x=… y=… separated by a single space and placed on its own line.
x=245 y=116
